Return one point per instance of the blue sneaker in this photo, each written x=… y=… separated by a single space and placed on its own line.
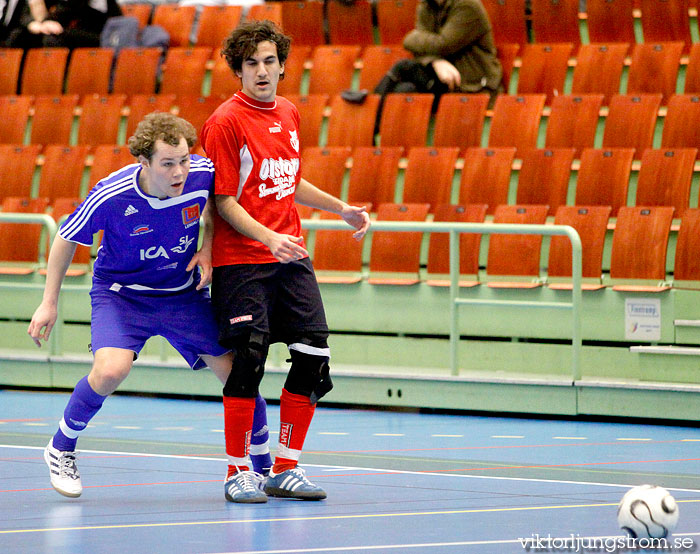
x=293 y=484
x=244 y=487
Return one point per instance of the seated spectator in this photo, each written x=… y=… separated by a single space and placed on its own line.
x=56 y=23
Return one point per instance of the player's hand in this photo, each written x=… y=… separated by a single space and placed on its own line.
x=203 y=260
x=42 y=323
x=358 y=218
x=447 y=73
x=287 y=248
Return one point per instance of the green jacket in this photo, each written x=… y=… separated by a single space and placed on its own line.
x=458 y=31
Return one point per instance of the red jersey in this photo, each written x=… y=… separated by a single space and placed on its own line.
x=255 y=149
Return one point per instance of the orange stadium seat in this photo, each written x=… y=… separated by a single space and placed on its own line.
x=184 y=69
x=10 y=63
x=395 y=256
x=89 y=70
x=666 y=21
x=686 y=268
x=177 y=20
x=610 y=21
x=223 y=82
x=142 y=12
x=268 y=10
x=486 y=165
x=573 y=121
x=631 y=121
x=143 y=81
x=43 y=71
x=62 y=171
x=332 y=69
x=507 y=54
x=304 y=22
x=599 y=69
x=405 y=119
x=325 y=167
x=15 y=116
x=311 y=111
x=429 y=175
x=543 y=69
x=373 y=174
x=544 y=177
x=395 y=18
x=17 y=167
x=438 y=267
x=141 y=105
x=294 y=68
x=603 y=177
x=197 y=109
x=591 y=223
x=108 y=158
x=337 y=255
x=352 y=124
x=692 y=71
x=556 y=21
x=100 y=119
x=52 y=121
x=216 y=23
x=507 y=19
x=654 y=68
x=459 y=120
x=350 y=23
x=19 y=242
x=516 y=121
x=682 y=122
x=664 y=178
x=516 y=257
x=377 y=59
x=639 y=246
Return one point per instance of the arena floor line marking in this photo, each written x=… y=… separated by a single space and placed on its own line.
x=364 y=470
x=441 y=513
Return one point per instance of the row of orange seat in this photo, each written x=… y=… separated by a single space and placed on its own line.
x=542 y=68
x=639 y=247
x=605 y=20
x=572 y=121
x=602 y=177
x=306 y=22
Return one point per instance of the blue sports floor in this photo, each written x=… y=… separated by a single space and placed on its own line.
x=153 y=471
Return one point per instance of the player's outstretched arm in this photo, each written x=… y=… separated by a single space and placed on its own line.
x=357 y=217
x=44 y=318
x=285 y=248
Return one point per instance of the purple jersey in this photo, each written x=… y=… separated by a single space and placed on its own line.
x=147 y=242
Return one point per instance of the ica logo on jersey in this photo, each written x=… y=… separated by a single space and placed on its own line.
x=160 y=252
x=283 y=175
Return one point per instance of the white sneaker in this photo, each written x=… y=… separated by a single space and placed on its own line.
x=65 y=477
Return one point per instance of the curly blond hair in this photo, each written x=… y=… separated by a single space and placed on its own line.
x=160 y=126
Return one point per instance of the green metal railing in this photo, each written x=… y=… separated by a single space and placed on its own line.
x=454 y=230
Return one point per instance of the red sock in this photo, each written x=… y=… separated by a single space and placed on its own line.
x=238 y=425
x=296 y=412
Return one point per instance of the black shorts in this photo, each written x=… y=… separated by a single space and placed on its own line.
x=280 y=300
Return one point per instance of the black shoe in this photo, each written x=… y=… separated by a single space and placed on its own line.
x=354 y=96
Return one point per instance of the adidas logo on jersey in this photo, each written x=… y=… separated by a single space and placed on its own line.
x=130 y=210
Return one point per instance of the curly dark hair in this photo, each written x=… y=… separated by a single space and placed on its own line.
x=243 y=41
x=160 y=126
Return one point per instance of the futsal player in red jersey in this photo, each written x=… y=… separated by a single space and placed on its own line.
x=263 y=287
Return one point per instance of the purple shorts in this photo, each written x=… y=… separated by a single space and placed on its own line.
x=127 y=320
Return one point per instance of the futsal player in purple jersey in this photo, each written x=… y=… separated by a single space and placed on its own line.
x=149 y=278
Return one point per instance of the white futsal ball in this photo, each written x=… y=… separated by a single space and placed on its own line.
x=647 y=511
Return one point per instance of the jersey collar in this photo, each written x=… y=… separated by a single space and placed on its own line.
x=255 y=103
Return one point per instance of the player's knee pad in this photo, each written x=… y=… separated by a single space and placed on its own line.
x=249 y=355
x=310 y=371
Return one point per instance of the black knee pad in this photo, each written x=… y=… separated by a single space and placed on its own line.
x=310 y=371
x=249 y=355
